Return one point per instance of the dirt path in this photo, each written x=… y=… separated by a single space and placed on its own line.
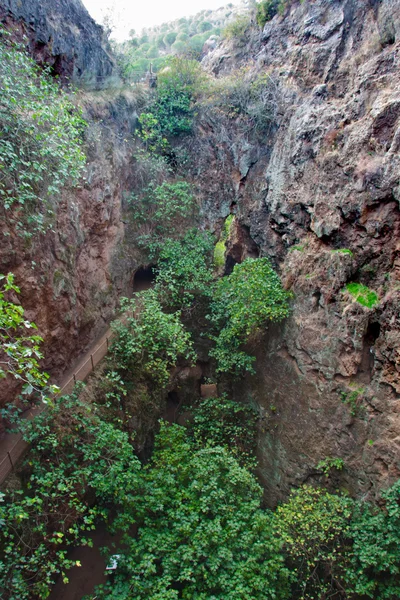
x=82 y=580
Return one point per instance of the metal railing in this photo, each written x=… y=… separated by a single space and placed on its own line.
x=18 y=449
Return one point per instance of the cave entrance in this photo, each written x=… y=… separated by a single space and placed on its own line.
x=143 y=279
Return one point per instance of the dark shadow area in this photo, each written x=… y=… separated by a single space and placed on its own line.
x=172 y=407
x=366 y=367
x=143 y=279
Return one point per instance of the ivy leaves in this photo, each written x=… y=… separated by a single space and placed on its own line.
x=41 y=146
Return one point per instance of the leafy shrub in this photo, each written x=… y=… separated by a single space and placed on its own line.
x=162 y=211
x=170 y=113
x=72 y=451
x=222 y=422
x=201 y=531
x=183 y=270
x=251 y=100
x=327 y=464
x=267 y=9
x=236 y=29
x=149 y=341
x=20 y=352
x=40 y=141
x=315 y=529
x=244 y=302
x=375 y=569
x=363 y=294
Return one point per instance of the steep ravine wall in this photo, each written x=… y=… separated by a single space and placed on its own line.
x=71 y=279
x=327 y=178
x=324 y=177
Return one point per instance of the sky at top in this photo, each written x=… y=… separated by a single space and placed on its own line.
x=131 y=14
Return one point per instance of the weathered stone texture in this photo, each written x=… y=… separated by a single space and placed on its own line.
x=328 y=179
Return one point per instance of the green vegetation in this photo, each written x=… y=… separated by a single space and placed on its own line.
x=184 y=270
x=242 y=303
x=170 y=112
x=19 y=347
x=353 y=399
x=327 y=464
x=219 y=254
x=237 y=29
x=374 y=571
x=220 y=246
x=74 y=454
x=223 y=422
x=248 y=98
x=41 y=148
x=149 y=341
x=363 y=294
x=343 y=251
x=162 y=212
x=200 y=529
x=201 y=533
x=267 y=9
x=183 y=37
x=315 y=527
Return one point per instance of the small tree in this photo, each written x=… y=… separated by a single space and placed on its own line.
x=149 y=341
x=201 y=531
x=243 y=303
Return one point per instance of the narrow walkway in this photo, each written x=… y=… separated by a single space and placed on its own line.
x=12 y=446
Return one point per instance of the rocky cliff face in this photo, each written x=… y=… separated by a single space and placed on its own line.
x=327 y=179
x=61 y=33
x=318 y=193
x=71 y=279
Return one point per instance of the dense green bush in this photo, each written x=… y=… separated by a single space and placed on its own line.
x=162 y=211
x=73 y=452
x=170 y=114
x=149 y=341
x=267 y=9
x=20 y=347
x=184 y=270
x=375 y=556
x=315 y=529
x=41 y=147
x=223 y=422
x=201 y=531
x=243 y=303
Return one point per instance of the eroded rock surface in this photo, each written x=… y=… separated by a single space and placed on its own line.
x=61 y=33
x=327 y=179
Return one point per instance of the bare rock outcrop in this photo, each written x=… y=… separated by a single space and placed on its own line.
x=62 y=34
